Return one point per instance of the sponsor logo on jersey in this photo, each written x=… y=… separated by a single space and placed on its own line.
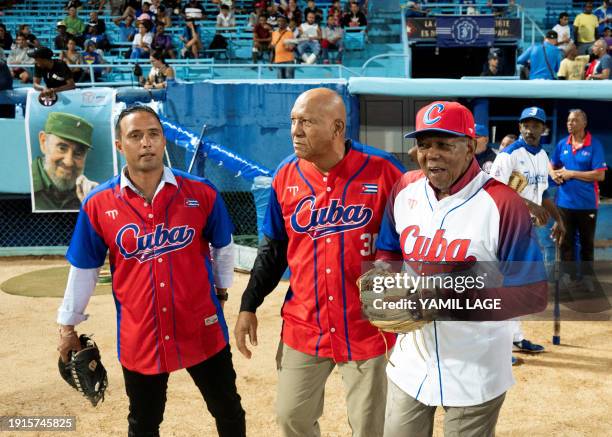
x=369 y=188
x=417 y=247
x=112 y=213
x=211 y=320
x=191 y=203
x=293 y=189
x=432 y=115
x=144 y=247
x=332 y=219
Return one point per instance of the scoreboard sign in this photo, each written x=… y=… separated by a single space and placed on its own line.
x=425 y=29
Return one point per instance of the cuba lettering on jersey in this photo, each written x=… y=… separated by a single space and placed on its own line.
x=531 y=161
x=457 y=363
x=168 y=315
x=331 y=224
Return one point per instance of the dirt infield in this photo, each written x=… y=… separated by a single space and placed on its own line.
x=566 y=391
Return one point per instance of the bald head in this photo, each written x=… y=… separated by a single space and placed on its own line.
x=318 y=124
x=324 y=101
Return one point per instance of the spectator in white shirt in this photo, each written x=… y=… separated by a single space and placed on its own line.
x=226 y=17
x=309 y=46
x=141 y=45
x=563 y=31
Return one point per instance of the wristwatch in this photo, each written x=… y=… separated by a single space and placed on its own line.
x=222 y=296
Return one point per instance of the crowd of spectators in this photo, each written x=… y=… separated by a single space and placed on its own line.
x=580 y=51
x=281 y=33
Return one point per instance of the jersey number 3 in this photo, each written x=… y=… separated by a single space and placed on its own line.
x=369 y=244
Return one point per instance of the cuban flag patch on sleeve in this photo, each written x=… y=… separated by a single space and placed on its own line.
x=369 y=188
x=191 y=203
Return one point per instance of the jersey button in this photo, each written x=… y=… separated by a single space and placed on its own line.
x=146 y=204
x=332 y=330
x=159 y=260
x=162 y=284
x=167 y=337
x=331 y=298
x=164 y=309
x=329 y=189
x=328 y=240
x=324 y=178
x=328 y=270
x=150 y=216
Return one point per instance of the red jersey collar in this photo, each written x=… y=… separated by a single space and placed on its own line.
x=585 y=143
x=472 y=171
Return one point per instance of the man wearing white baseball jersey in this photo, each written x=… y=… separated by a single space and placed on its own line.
x=527 y=157
x=451 y=213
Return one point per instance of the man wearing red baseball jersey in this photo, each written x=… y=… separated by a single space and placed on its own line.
x=169 y=239
x=325 y=208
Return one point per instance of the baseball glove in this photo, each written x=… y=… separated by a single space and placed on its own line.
x=517 y=181
x=84 y=371
x=394 y=309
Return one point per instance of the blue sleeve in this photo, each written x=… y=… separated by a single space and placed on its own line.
x=274 y=223
x=555 y=159
x=87 y=250
x=524 y=56
x=388 y=238
x=606 y=63
x=598 y=158
x=219 y=226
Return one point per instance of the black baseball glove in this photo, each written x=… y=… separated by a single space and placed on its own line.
x=84 y=371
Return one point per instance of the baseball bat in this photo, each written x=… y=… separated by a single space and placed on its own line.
x=557 y=309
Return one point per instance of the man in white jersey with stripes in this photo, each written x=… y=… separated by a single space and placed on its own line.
x=527 y=157
x=450 y=213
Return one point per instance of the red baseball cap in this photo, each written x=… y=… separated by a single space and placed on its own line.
x=447 y=117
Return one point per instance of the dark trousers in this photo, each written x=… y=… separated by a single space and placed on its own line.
x=583 y=221
x=216 y=379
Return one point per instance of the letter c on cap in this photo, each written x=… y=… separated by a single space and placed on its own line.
x=435 y=111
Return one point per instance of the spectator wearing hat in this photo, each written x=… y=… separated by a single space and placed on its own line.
x=61 y=39
x=57 y=176
x=492 y=66
x=254 y=15
x=415 y=10
x=563 y=31
x=572 y=67
x=578 y=164
x=53 y=72
x=74 y=25
x=25 y=30
x=585 y=29
x=274 y=15
x=72 y=56
x=20 y=56
x=603 y=63
x=543 y=59
x=6 y=39
x=92 y=57
x=484 y=154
